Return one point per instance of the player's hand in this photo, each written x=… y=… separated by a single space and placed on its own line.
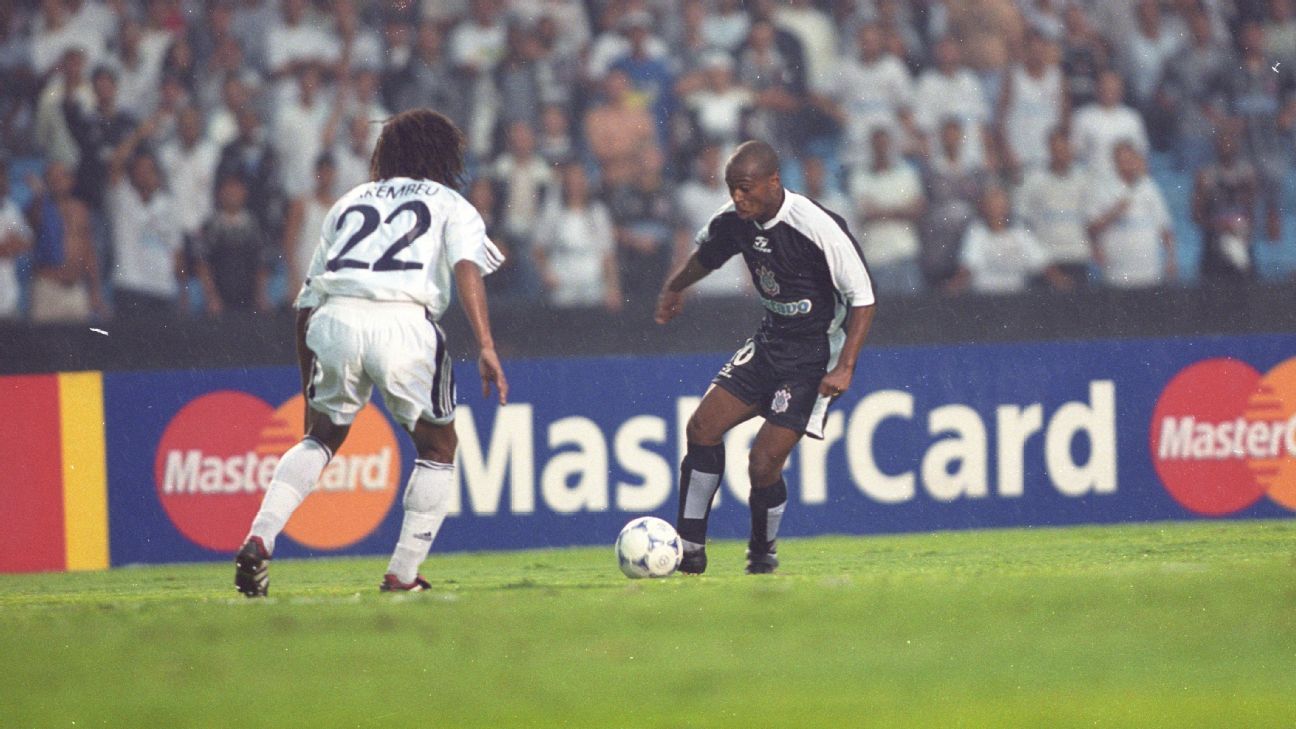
x=488 y=365
x=669 y=305
x=835 y=382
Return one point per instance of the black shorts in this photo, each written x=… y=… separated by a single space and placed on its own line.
x=784 y=384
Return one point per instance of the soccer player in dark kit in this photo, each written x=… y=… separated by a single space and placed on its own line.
x=819 y=304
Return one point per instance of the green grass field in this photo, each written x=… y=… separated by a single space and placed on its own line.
x=1167 y=625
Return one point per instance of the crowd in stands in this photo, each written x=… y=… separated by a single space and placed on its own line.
x=178 y=156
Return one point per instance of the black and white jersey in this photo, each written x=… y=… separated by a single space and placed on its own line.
x=806 y=267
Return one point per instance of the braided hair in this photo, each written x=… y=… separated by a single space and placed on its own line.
x=419 y=144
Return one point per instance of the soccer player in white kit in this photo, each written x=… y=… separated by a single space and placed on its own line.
x=366 y=316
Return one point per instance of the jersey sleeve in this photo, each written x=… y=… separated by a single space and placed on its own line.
x=714 y=246
x=846 y=265
x=466 y=240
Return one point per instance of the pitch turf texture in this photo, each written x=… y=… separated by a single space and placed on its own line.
x=1165 y=625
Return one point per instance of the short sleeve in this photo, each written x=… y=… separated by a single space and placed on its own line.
x=714 y=245
x=466 y=240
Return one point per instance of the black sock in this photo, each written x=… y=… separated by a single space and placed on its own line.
x=767 y=506
x=700 y=476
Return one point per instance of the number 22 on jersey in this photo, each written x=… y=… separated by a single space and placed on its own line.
x=370 y=223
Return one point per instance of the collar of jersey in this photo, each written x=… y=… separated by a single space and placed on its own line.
x=781 y=214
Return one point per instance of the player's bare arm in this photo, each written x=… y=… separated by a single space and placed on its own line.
x=670 y=302
x=303 y=352
x=838 y=380
x=472 y=296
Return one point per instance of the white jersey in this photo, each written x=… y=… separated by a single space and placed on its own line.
x=397 y=240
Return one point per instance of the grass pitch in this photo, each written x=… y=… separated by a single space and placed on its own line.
x=1168 y=625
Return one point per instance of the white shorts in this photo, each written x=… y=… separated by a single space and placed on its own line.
x=358 y=343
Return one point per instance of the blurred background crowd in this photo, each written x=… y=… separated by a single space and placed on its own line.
x=177 y=157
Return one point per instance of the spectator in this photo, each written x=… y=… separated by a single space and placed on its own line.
x=619 y=133
x=953 y=187
x=303 y=223
x=53 y=134
x=299 y=131
x=1224 y=207
x=999 y=257
x=365 y=98
x=139 y=69
x=951 y=91
x=293 y=44
x=820 y=187
x=15 y=240
x=988 y=30
x=1265 y=102
x=719 y=108
x=476 y=47
x=222 y=123
x=148 y=255
x=697 y=200
x=558 y=65
x=1186 y=98
x=351 y=156
x=517 y=77
x=1051 y=206
x=429 y=79
x=361 y=48
x=189 y=167
x=1100 y=126
x=252 y=158
x=873 y=91
x=888 y=198
x=726 y=26
x=648 y=73
x=1130 y=226
x=233 y=254
x=1033 y=102
x=555 y=140
x=56 y=34
x=1084 y=56
x=525 y=182
x=771 y=72
x=573 y=247
x=1145 y=50
x=642 y=211
x=814 y=29
x=97 y=132
x=612 y=43
x=66 y=286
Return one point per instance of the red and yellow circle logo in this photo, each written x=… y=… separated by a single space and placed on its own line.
x=1223 y=436
x=218 y=454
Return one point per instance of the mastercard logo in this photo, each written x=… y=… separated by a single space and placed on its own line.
x=218 y=454
x=1223 y=436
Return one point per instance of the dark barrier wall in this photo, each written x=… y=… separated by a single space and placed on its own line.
x=705 y=326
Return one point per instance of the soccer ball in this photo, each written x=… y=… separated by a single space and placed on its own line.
x=648 y=547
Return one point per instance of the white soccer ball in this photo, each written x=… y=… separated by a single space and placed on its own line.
x=648 y=547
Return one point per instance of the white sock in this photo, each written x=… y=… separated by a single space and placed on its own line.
x=426 y=500
x=293 y=479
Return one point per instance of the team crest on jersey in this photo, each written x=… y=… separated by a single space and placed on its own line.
x=781 y=399
x=768 y=283
x=761 y=244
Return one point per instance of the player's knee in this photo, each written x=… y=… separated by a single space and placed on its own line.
x=701 y=432
x=763 y=469
x=435 y=442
